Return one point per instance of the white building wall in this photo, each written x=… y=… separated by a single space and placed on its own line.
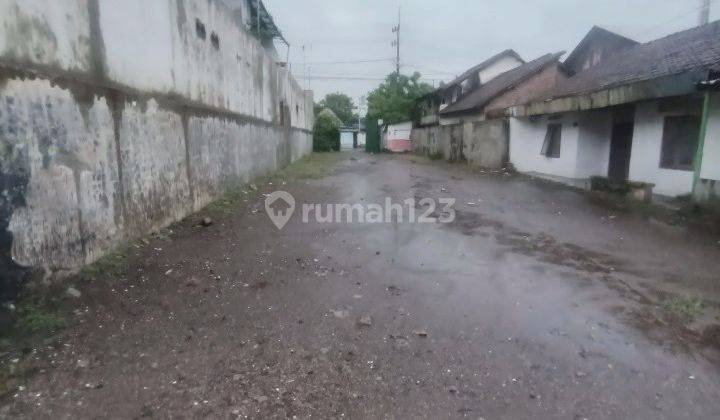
x=526 y=141
x=645 y=155
x=711 y=151
x=499 y=67
x=594 y=143
x=130 y=121
x=48 y=33
x=399 y=131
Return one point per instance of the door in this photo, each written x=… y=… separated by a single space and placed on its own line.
x=620 y=147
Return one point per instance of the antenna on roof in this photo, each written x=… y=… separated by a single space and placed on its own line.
x=704 y=12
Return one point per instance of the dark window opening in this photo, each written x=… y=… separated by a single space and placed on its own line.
x=679 y=142
x=282 y=113
x=215 y=40
x=200 y=29
x=297 y=110
x=551 y=145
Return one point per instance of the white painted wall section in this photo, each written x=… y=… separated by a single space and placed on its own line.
x=499 y=67
x=399 y=131
x=711 y=152
x=49 y=33
x=526 y=141
x=594 y=143
x=645 y=155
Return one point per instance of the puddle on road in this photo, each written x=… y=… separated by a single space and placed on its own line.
x=640 y=310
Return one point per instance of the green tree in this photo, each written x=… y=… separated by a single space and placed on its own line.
x=326 y=132
x=395 y=100
x=341 y=105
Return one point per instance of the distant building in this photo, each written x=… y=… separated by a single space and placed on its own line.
x=512 y=87
x=396 y=137
x=464 y=84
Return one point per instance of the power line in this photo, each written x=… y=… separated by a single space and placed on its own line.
x=369 y=78
x=375 y=60
x=654 y=27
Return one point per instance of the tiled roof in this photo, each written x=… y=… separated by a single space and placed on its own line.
x=697 y=48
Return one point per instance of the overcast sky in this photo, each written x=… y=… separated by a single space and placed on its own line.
x=442 y=38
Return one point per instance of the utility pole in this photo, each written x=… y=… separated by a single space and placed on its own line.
x=704 y=12
x=396 y=44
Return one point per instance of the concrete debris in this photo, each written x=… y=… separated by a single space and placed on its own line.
x=420 y=333
x=73 y=292
x=206 y=221
x=83 y=363
x=340 y=313
x=192 y=282
x=365 y=321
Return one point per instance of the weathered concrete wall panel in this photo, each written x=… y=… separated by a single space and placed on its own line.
x=487 y=143
x=66 y=149
x=168 y=47
x=156 y=190
x=119 y=118
x=48 y=33
x=482 y=143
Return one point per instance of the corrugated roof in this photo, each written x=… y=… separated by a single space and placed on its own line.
x=501 y=83
x=481 y=66
x=680 y=52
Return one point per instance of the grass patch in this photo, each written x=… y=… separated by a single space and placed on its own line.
x=40 y=318
x=313 y=166
x=684 y=307
x=435 y=156
x=111 y=265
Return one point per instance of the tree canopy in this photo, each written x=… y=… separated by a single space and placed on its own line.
x=395 y=100
x=341 y=105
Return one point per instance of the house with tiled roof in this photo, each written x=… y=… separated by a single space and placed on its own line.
x=638 y=114
x=462 y=85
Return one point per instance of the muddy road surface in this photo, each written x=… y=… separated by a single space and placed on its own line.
x=534 y=303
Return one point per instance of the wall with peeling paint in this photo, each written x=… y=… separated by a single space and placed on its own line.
x=118 y=118
x=483 y=144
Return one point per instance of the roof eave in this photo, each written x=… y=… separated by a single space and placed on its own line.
x=671 y=85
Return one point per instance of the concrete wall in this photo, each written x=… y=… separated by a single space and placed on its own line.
x=708 y=186
x=645 y=156
x=526 y=141
x=483 y=144
x=118 y=118
x=711 y=150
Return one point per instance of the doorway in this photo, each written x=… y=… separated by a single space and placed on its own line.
x=620 y=148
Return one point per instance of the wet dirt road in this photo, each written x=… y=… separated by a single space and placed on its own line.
x=534 y=303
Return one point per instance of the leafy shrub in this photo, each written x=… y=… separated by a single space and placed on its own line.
x=326 y=133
